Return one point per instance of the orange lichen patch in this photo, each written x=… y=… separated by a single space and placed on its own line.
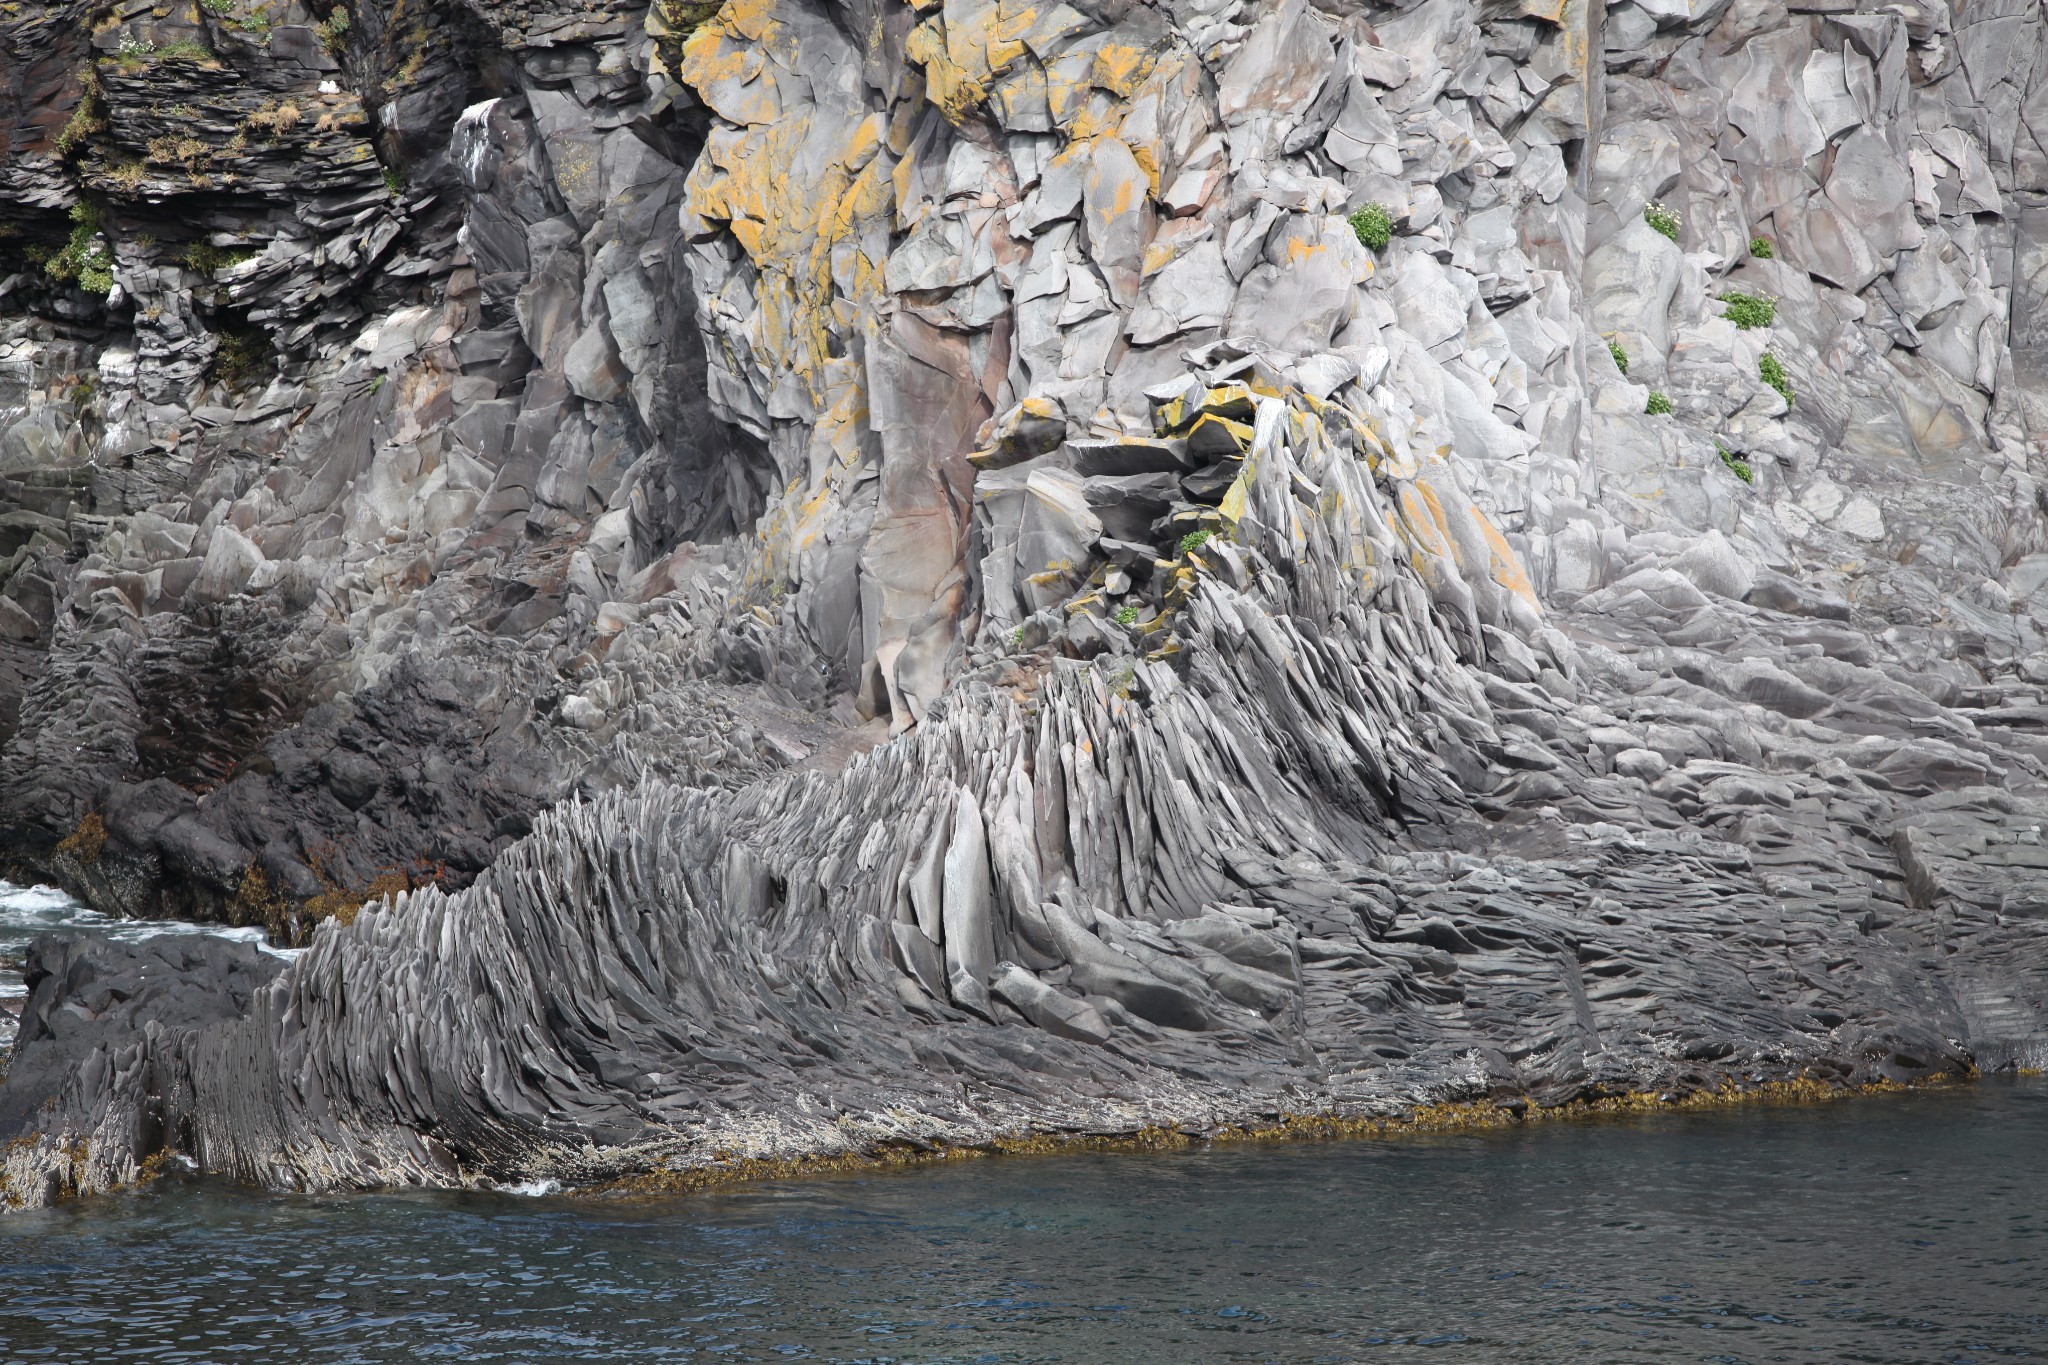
x=726 y=62
x=840 y=425
x=1120 y=68
x=1300 y=250
x=1160 y=254
x=754 y=20
x=1239 y=433
x=1380 y=455
x=1237 y=496
x=1102 y=212
x=1504 y=566
x=1234 y=400
x=768 y=568
x=791 y=227
x=989 y=49
x=710 y=55
x=1423 y=520
x=953 y=90
x=1069 y=92
x=1148 y=162
x=865 y=143
x=962 y=60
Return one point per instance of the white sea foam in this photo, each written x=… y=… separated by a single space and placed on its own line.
x=26 y=911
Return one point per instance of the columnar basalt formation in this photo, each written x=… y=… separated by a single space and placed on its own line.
x=855 y=575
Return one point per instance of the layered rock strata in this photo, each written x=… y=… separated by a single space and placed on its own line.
x=876 y=575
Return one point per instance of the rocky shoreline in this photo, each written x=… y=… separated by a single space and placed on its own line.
x=791 y=580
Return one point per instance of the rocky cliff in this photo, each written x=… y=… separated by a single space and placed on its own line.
x=858 y=575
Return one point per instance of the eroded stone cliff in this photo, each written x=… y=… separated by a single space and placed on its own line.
x=866 y=574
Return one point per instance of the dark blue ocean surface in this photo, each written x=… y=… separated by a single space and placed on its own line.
x=1897 y=1229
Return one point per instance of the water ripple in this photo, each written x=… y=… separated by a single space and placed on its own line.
x=1885 y=1230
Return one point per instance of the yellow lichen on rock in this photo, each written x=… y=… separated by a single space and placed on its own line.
x=1505 y=566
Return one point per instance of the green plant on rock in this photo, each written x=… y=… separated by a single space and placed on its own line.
x=88 y=118
x=1127 y=616
x=1194 y=540
x=1614 y=349
x=684 y=17
x=243 y=353
x=1772 y=371
x=1661 y=219
x=255 y=24
x=394 y=181
x=84 y=260
x=206 y=258
x=185 y=52
x=1374 y=226
x=333 y=31
x=671 y=22
x=1737 y=466
x=1760 y=248
x=1658 y=406
x=1749 y=310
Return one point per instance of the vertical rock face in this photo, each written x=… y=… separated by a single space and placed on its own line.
x=842 y=575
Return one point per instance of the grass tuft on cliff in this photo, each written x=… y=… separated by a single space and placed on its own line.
x=1373 y=225
x=243 y=355
x=84 y=261
x=333 y=31
x=207 y=259
x=1749 y=311
x=1662 y=220
x=1772 y=371
x=88 y=118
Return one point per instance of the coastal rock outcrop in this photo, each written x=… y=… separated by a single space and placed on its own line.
x=795 y=578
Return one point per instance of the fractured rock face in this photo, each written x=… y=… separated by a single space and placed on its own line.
x=832 y=576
